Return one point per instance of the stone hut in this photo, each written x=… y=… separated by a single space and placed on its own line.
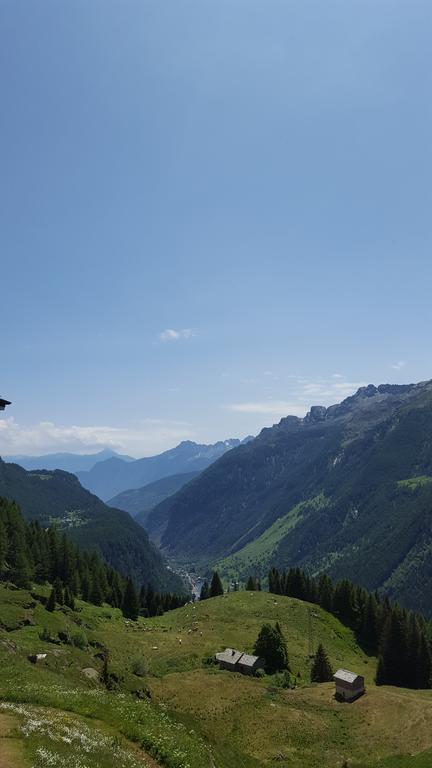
x=349 y=685
x=236 y=661
x=248 y=664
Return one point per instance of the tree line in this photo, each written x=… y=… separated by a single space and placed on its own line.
x=400 y=638
x=31 y=554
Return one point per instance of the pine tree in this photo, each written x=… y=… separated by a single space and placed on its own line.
x=321 y=671
x=51 y=604
x=96 y=595
x=393 y=665
x=216 y=587
x=58 y=589
x=3 y=546
x=345 y=604
x=325 y=592
x=130 y=605
x=68 y=598
x=21 y=571
x=274 y=581
x=368 y=629
x=251 y=584
x=205 y=590
x=270 y=645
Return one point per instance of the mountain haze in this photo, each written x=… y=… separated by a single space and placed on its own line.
x=69 y=462
x=140 y=501
x=109 y=478
x=347 y=490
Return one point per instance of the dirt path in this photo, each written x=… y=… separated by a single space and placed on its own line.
x=11 y=746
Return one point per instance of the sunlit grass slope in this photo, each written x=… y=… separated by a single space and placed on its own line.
x=198 y=716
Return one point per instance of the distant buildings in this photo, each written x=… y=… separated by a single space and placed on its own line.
x=349 y=685
x=3 y=404
x=236 y=661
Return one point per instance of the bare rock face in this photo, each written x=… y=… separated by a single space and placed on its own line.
x=90 y=673
x=316 y=413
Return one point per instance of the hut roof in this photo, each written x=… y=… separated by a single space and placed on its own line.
x=347 y=676
x=229 y=656
x=247 y=660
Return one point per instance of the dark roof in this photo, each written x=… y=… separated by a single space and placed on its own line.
x=3 y=403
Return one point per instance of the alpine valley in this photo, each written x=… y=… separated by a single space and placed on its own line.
x=346 y=490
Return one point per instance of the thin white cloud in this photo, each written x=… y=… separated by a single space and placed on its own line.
x=149 y=437
x=269 y=407
x=171 y=334
x=399 y=365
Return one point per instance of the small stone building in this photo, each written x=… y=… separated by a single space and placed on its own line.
x=228 y=659
x=248 y=664
x=236 y=661
x=349 y=685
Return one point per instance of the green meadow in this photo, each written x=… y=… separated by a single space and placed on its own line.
x=169 y=706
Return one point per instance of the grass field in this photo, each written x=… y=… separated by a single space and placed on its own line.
x=57 y=713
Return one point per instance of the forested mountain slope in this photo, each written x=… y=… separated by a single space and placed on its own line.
x=58 y=497
x=346 y=490
x=111 y=477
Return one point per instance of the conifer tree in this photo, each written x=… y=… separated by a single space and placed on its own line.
x=321 y=671
x=325 y=592
x=204 y=595
x=368 y=628
x=393 y=663
x=216 y=587
x=58 y=589
x=251 y=584
x=270 y=645
x=274 y=581
x=130 y=605
x=3 y=546
x=96 y=595
x=51 y=604
x=345 y=604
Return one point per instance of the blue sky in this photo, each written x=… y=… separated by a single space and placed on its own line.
x=213 y=213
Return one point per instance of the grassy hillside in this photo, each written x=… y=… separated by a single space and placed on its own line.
x=198 y=716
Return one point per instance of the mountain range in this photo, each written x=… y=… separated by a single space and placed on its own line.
x=57 y=497
x=109 y=478
x=69 y=462
x=139 y=502
x=346 y=490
